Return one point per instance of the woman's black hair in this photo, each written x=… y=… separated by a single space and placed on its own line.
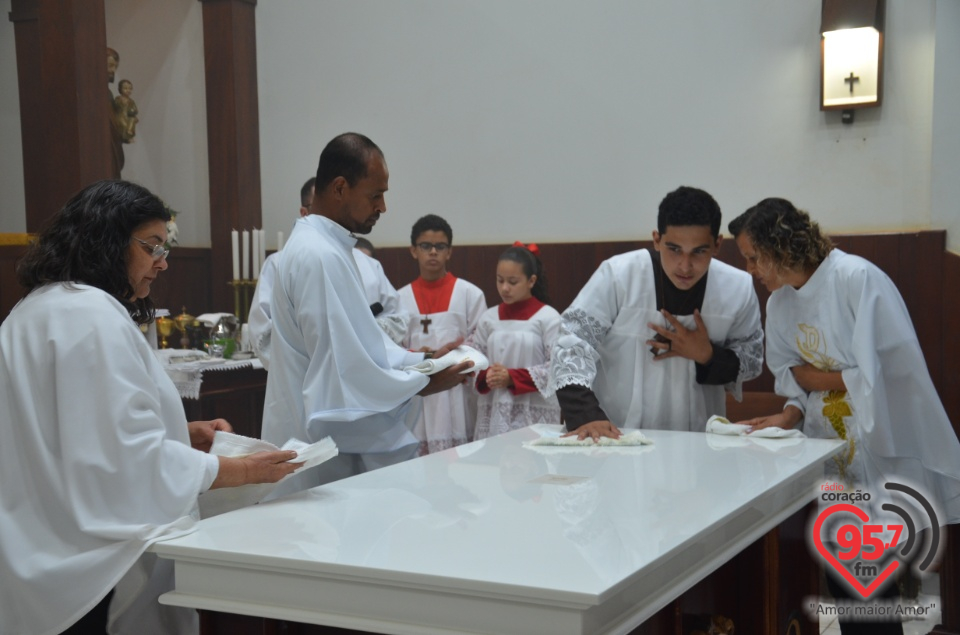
x=531 y=267
x=86 y=242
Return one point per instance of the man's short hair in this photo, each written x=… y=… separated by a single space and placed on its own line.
x=363 y=243
x=346 y=155
x=430 y=223
x=686 y=206
x=306 y=192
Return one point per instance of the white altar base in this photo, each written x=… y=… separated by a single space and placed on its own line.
x=495 y=537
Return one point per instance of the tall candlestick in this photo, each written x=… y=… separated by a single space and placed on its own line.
x=263 y=249
x=279 y=241
x=255 y=254
x=245 y=243
x=234 y=239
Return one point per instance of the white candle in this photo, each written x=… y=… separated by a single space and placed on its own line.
x=246 y=254
x=255 y=254
x=263 y=250
x=279 y=241
x=234 y=239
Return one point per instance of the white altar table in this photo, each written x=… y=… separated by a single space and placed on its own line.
x=496 y=537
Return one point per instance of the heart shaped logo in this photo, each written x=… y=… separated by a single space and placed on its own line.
x=865 y=591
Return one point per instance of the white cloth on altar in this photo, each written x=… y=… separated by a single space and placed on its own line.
x=603 y=335
x=850 y=317
x=333 y=371
x=225 y=499
x=446 y=419
x=185 y=368
x=554 y=437
x=95 y=465
x=721 y=425
x=212 y=319
x=525 y=344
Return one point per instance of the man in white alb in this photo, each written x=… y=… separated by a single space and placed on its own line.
x=333 y=371
x=383 y=298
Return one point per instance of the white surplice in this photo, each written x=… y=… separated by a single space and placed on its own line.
x=95 y=465
x=376 y=287
x=603 y=335
x=515 y=343
x=446 y=419
x=333 y=371
x=849 y=317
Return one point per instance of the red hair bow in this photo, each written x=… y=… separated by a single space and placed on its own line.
x=532 y=248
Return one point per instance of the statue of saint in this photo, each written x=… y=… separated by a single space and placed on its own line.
x=126 y=111
x=116 y=134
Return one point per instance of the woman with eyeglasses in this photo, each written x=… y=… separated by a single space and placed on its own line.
x=97 y=460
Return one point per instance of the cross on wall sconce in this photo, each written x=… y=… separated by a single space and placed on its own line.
x=851 y=55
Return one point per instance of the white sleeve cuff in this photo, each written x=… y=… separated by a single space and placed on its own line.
x=211 y=469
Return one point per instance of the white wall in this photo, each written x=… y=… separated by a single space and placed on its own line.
x=946 y=131
x=558 y=120
x=544 y=120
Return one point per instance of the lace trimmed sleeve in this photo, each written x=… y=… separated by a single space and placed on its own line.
x=575 y=354
x=749 y=350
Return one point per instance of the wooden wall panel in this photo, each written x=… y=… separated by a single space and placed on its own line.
x=233 y=133
x=949 y=347
x=10 y=291
x=64 y=101
x=921 y=284
x=950 y=342
x=186 y=283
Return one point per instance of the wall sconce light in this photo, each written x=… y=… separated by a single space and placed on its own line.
x=851 y=55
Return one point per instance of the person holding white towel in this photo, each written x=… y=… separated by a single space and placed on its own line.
x=98 y=460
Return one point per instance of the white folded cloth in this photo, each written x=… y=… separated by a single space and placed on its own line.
x=219 y=501
x=179 y=355
x=721 y=425
x=211 y=319
x=461 y=353
x=632 y=438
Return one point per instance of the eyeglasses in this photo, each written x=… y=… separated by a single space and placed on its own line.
x=428 y=247
x=157 y=252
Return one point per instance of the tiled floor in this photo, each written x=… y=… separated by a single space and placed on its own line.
x=829 y=625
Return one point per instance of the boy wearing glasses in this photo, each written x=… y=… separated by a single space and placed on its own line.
x=443 y=308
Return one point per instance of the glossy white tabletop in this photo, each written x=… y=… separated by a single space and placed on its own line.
x=595 y=531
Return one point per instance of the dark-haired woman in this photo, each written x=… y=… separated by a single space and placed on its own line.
x=517 y=336
x=97 y=459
